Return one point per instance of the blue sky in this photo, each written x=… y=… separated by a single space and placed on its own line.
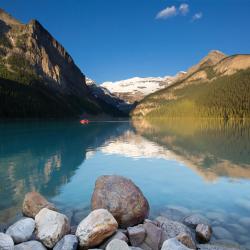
x=118 y=39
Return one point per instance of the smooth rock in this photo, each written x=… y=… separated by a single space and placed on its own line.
x=222 y=233
x=186 y=240
x=203 y=233
x=117 y=245
x=173 y=244
x=136 y=235
x=195 y=219
x=30 y=245
x=51 y=226
x=118 y=235
x=68 y=242
x=153 y=237
x=173 y=214
x=245 y=221
x=122 y=198
x=6 y=242
x=96 y=227
x=22 y=230
x=33 y=203
x=217 y=247
x=172 y=228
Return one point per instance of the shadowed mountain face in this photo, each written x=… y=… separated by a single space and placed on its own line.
x=43 y=157
x=38 y=75
x=213 y=148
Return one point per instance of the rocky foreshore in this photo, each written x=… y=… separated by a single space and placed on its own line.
x=118 y=221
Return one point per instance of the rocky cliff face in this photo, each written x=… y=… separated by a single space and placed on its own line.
x=29 y=55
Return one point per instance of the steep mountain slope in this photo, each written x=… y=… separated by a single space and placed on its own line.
x=33 y=65
x=135 y=89
x=221 y=89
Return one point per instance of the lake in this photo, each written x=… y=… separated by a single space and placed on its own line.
x=188 y=166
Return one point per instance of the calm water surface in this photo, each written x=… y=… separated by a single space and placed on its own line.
x=192 y=166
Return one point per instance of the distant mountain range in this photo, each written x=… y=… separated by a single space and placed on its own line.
x=38 y=78
x=135 y=89
x=218 y=86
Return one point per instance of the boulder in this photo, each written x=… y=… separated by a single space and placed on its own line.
x=33 y=203
x=117 y=245
x=153 y=237
x=22 y=230
x=118 y=235
x=172 y=228
x=51 y=226
x=6 y=242
x=203 y=233
x=195 y=219
x=173 y=244
x=30 y=245
x=68 y=242
x=136 y=235
x=95 y=228
x=186 y=240
x=122 y=198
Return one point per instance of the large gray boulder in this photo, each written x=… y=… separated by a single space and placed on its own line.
x=30 y=245
x=68 y=242
x=51 y=226
x=117 y=245
x=122 y=198
x=33 y=203
x=6 y=242
x=22 y=230
x=173 y=244
x=172 y=228
x=95 y=228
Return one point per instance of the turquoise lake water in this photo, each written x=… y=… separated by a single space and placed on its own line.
x=195 y=169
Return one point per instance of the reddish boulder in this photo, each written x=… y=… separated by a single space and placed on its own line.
x=122 y=198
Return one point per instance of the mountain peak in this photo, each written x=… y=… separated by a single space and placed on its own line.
x=8 y=19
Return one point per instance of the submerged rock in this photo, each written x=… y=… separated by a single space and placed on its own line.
x=95 y=228
x=51 y=226
x=30 y=245
x=122 y=198
x=117 y=245
x=22 y=230
x=6 y=242
x=68 y=242
x=173 y=244
x=203 y=233
x=195 y=219
x=33 y=203
x=222 y=233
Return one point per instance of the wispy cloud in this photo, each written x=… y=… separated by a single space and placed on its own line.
x=184 y=9
x=167 y=12
x=197 y=16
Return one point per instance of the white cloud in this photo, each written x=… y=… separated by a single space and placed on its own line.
x=167 y=12
x=197 y=16
x=184 y=9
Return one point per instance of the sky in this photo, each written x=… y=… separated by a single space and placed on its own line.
x=117 y=39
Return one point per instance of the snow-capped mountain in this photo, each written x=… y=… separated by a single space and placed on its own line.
x=135 y=89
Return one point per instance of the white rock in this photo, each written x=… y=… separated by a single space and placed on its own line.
x=22 y=230
x=96 y=227
x=30 y=245
x=51 y=226
x=117 y=245
x=6 y=242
